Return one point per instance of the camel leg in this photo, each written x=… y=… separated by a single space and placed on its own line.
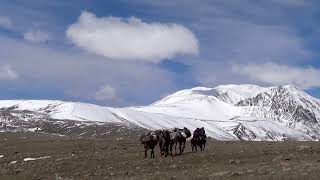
x=178 y=147
x=152 y=153
x=166 y=151
x=184 y=145
x=175 y=148
x=145 y=152
x=161 y=150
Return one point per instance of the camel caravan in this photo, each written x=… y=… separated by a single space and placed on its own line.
x=169 y=139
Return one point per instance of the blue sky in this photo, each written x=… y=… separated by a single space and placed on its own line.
x=46 y=51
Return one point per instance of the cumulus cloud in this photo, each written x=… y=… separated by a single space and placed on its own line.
x=46 y=69
x=250 y=44
x=291 y=2
x=275 y=74
x=7 y=73
x=36 y=36
x=106 y=93
x=5 y=22
x=131 y=39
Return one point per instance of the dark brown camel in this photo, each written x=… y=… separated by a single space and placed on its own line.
x=149 y=141
x=164 y=141
x=178 y=136
x=199 y=139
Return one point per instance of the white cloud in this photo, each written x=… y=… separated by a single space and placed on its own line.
x=275 y=74
x=36 y=36
x=106 y=93
x=78 y=75
x=131 y=39
x=250 y=44
x=291 y=2
x=7 y=73
x=5 y=22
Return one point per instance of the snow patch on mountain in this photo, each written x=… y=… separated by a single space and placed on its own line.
x=63 y=110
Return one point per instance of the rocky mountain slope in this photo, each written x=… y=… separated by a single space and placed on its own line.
x=228 y=112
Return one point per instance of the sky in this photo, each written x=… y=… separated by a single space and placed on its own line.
x=134 y=52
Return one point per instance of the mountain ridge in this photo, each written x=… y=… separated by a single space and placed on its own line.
x=228 y=112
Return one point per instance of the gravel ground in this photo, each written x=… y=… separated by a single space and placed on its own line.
x=58 y=157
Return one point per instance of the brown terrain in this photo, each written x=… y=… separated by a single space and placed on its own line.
x=120 y=156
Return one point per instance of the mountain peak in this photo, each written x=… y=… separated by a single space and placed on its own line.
x=201 y=88
x=230 y=94
x=289 y=86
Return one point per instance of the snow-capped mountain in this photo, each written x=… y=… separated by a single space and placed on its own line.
x=228 y=112
x=287 y=105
